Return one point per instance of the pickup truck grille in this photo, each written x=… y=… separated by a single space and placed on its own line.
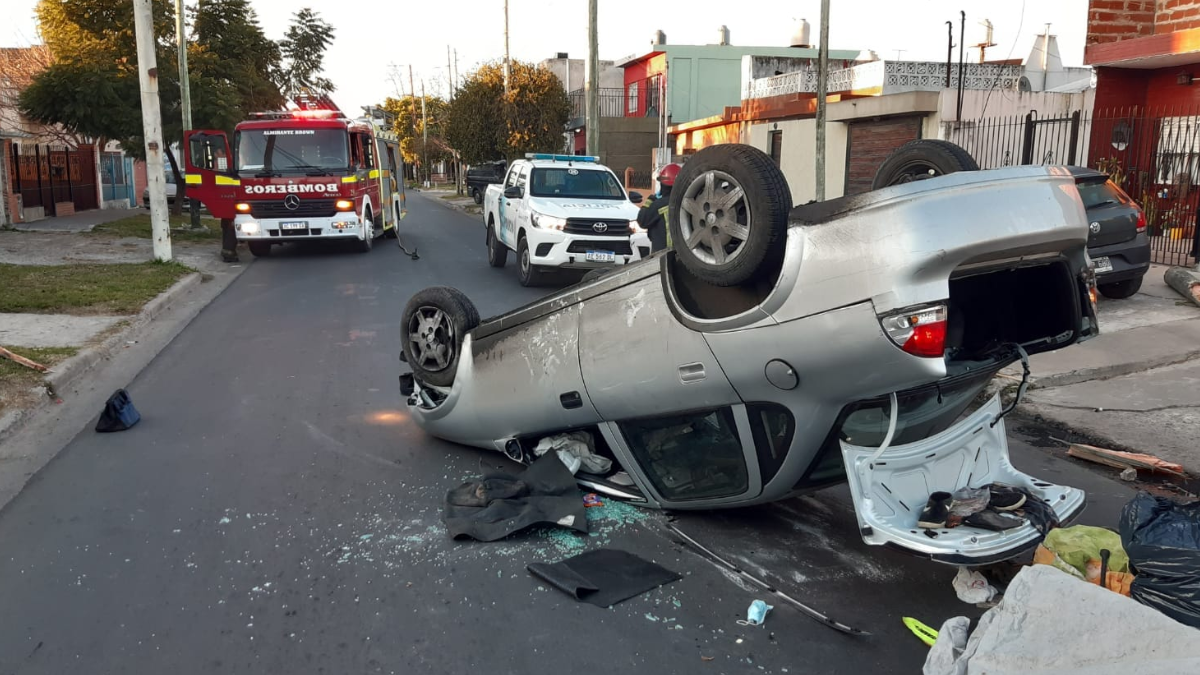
x=615 y=228
x=620 y=247
x=309 y=208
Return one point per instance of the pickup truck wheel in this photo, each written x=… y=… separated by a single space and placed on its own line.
x=729 y=214
x=477 y=195
x=1119 y=290
x=497 y=252
x=259 y=249
x=921 y=159
x=435 y=322
x=529 y=274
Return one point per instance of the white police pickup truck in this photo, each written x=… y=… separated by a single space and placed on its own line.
x=563 y=212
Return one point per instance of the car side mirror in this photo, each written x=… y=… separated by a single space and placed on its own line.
x=512 y=192
x=636 y=197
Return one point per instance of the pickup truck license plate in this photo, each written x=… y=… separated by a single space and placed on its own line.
x=601 y=256
x=1103 y=265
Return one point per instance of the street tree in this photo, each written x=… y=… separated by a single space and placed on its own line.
x=413 y=146
x=229 y=46
x=303 y=48
x=484 y=124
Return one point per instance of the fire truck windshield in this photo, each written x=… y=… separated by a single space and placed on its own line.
x=292 y=149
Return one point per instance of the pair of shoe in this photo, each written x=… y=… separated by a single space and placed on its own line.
x=1001 y=498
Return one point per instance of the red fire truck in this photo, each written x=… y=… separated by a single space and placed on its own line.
x=300 y=175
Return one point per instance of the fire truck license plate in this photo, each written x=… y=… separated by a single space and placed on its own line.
x=294 y=225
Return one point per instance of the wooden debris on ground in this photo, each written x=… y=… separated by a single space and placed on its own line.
x=17 y=358
x=1123 y=460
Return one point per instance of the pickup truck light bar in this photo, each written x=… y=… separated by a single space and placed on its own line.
x=561 y=158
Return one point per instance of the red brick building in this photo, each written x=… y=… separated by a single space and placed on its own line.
x=1147 y=112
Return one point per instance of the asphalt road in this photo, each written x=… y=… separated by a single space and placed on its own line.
x=275 y=512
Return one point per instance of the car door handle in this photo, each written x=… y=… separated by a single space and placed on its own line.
x=691 y=372
x=571 y=400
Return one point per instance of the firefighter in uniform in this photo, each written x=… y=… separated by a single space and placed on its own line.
x=228 y=241
x=654 y=216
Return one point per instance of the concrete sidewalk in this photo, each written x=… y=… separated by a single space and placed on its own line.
x=83 y=221
x=1137 y=385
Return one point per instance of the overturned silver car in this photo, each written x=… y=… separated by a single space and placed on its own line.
x=777 y=350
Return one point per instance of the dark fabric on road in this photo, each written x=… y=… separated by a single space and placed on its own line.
x=550 y=496
x=604 y=577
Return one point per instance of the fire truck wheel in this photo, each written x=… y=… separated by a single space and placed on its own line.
x=260 y=249
x=368 y=240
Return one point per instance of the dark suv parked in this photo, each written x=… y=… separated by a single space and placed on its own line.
x=479 y=177
x=1117 y=241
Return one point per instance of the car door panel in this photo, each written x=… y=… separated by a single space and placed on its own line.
x=638 y=360
x=540 y=356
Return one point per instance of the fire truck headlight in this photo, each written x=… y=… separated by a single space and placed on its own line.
x=243 y=207
x=345 y=205
x=248 y=228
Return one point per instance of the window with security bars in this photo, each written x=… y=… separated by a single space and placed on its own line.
x=632 y=94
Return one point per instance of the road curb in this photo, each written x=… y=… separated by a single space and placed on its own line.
x=66 y=375
x=1110 y=371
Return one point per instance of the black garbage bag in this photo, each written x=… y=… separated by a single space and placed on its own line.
x=1162 y=539
x=119 y=413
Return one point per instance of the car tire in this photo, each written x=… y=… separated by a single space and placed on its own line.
x=259 y=249
x=721 y=250
x=592 y=275
x=528 y=272
x=435 y=322
x=921 y=159
x=497 y=251
x=477 y=195
x=1119 y=290
x=365 y=244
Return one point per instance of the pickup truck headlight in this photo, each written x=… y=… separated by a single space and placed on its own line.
x=547 y=222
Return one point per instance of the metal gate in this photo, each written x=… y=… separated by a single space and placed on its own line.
x=48 y=175
x=116 y=172
x=996 y=142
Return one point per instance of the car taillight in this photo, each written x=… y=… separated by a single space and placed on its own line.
x=920 y=331
x=1141 y=224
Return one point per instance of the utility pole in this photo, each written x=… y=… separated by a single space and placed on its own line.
x=949 y=50
x=185 y=99
x=424 y=134
x=143 y=22
x=962 y=41
x=506 y=66
x=822 y=94
x=456 y=69
x=449 y=73
x=412 y=100
x=592 y=94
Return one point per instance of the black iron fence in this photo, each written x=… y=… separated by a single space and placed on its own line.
x=642 y=98
x=1153 y=154
x=48 y=175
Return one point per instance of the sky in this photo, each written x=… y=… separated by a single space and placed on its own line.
x=381 y=38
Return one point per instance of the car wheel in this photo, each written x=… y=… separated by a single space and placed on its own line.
x=477 y=195
x=497 y=251
x=368 y=241
x=1119 y=290
x=435 y=323
x=528 y=273
x=592 y=275
x=728 y=214
x=921 y=159
x=259 y=249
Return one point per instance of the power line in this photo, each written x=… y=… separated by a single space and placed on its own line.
x=1020 y=25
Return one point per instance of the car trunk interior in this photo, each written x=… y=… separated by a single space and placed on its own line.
x=1035 y=306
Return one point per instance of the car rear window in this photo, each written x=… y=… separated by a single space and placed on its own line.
x=1100 y=193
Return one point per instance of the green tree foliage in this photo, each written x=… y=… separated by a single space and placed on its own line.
x=413 y=146
x=229 y=48
x=303 y=48
x=483 y=124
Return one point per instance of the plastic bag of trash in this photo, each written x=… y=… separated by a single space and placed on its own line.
x=1162 y=539
x=972 y=587
x=578 y=444
x=1076 y=551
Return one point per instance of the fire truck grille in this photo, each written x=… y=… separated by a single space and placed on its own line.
x=308 y=208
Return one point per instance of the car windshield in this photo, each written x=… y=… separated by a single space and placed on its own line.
x=1100 y=193
x=572 y=182
x=292 y=149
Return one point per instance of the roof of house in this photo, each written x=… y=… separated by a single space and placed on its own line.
x=737 y=52
x=19 y=65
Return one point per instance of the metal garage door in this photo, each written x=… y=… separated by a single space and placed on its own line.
x=869 y=144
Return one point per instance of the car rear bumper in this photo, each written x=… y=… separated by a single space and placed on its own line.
x=1129 y=259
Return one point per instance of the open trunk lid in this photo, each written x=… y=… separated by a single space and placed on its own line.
x=890 y=490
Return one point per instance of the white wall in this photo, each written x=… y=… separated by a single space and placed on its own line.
x=611 y=77
x=798 y=155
